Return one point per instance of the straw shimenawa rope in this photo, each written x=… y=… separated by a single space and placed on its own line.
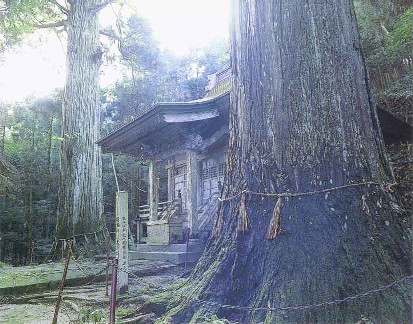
x=274 y=227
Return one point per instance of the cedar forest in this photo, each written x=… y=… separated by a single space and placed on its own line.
x=38 y=153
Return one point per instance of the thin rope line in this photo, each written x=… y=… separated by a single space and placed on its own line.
x=289 y=308
x=82 y=234
x=114 y=172
x=285 y=308
x=310 y=306
x=299 y=194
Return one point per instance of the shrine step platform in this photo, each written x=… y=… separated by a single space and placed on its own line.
x=173 y=253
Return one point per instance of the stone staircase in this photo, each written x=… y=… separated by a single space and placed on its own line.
x=173 y=253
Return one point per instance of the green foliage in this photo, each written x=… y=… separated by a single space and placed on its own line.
x=138 y=49
x=386 y=40
x=386 y=30
x=15 y=277
x=132 y=178
x=88 y=315
x=401 y=43
x=31 y=146
x=19 y=17
x=157 y=76
x=212 y=320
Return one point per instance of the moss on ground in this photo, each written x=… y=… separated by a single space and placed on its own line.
x=33 y=279
x=12 y=277
x=23 y=314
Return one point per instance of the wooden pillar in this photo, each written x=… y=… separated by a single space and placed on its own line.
x=122 y=239
x=138 y=231
x=192 y=191
x=171 y=185
x=153 y=190
x=199 y=195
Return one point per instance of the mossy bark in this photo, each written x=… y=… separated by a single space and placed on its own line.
x=302 y=119
x=80 y=192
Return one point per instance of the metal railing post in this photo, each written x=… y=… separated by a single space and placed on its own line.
x=107 y=263
x=112 y=306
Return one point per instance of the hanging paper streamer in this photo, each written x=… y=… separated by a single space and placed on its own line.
x=274 y=227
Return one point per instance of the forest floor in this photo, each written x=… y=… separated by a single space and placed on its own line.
x=28 y=294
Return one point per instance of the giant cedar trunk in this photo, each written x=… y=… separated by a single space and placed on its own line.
x=80 y=192
x=302 y=120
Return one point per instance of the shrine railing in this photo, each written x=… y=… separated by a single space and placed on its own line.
x=166 y=210
x=143 y=211
x=171 y=211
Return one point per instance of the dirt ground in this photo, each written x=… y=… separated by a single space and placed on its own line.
x=87 y=303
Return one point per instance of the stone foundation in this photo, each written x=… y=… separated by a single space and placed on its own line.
x=164 y=233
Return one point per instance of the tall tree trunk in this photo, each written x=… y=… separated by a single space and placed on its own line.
x=49 y=155
x=46 y=227
x=30 y=220
x=302 y=120
x=2 y=136
x=80 y=191
x=2 y=131
x=29 y=240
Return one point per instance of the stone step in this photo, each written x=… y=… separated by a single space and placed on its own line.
x=173 y=257
x=194 y=246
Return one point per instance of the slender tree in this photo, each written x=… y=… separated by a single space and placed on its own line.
x=307 y=214
x=80 y=191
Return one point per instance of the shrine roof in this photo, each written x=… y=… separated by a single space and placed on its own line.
x=184 y=117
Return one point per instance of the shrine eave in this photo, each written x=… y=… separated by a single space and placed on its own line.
x=163 y=115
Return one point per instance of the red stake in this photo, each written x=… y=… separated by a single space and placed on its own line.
x=107 y=263
x=112 y=305
x=62 y=283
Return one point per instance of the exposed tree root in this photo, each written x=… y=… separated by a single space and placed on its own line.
x=314 y=260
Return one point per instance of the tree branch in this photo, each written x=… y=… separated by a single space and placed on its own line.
x=99 y=7
x=110 y=35
x=61 y=23
x=61 y=7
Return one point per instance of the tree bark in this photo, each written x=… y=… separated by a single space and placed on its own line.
x=80 y=191
x=29 y=240
x=2 y=136
x=49 y=178
x=49 y=154
x=302 y=120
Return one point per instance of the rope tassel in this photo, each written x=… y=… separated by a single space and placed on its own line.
x=274 y=227
x=243 y=217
